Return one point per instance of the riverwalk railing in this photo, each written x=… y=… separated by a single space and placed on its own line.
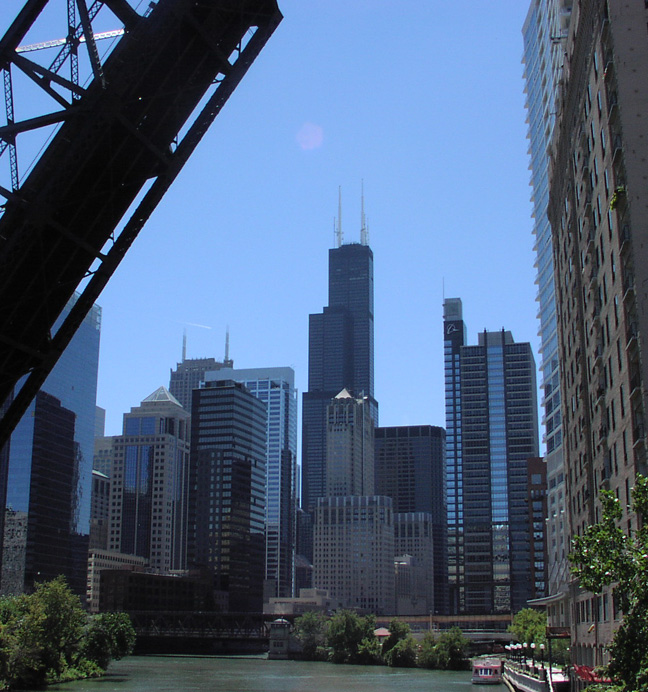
x=526 y=676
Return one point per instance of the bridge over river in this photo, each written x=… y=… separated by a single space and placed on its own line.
x=215 y=632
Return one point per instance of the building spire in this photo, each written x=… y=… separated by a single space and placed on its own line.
x=226 y=361
x=338 y=231
x=364 y=229
x=184 y=345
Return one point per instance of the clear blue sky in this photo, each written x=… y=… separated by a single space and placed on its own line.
x=420 y=98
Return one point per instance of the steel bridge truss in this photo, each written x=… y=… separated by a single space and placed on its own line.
x=200 y=624
x=116 y=144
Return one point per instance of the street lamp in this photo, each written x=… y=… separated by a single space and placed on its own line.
x=533 y=646
x=525 y=646
x=542 y=650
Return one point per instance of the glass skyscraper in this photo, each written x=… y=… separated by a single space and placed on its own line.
x=276 y=388
x=48 y=473
x=492 y=432
x=544 y=34
x=149 y=483
x=340 y=355
x=227 y=490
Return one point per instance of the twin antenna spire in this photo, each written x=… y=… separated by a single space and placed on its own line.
x=337 y=223
x=226 y=361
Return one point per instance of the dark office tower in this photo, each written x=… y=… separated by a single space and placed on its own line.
x=49 y=471
x=148 y=493
x=492 y=432
x=276 y=388
x=227 y=491
x=340 y=355
x=410 y=468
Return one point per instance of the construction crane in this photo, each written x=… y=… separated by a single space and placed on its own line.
x=116 y=145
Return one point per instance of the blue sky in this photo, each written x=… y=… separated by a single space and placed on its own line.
x=422 y=100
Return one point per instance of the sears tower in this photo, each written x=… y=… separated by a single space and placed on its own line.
x=340 y=353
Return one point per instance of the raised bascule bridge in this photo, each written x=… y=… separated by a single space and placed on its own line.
x=101 y=117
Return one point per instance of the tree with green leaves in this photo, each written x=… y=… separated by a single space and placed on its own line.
x=108 y=637
x=398 y=630
x=310 y=630
x=346 y=632
x=445 y=652
x=529 y=625
x=605 y=555
x=41 y=633
x=47 y=637
x=403 y=654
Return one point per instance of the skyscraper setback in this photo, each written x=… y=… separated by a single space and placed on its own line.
x=340 y=355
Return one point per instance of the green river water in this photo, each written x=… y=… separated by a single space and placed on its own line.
x=250 y=674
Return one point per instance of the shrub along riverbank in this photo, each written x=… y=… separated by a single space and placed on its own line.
x=347 y=637
x=47 y=637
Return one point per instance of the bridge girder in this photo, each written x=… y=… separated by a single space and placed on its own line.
x=121 y=141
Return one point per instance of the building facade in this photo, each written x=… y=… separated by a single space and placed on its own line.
x=414 y=543
x=48 y=464
x=597 y=211
x=340 y=355
x=544 y=33
x=410 y=467
x=99 y=511
x=492 y=431
x=354 y=552
x=228 y=490
x=149 y=483
x=538 y=526
x=349 y=446
x=189 y=374
x=276 y=388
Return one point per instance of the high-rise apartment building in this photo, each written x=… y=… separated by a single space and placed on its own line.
x=598 y=215
x=226 y=534
x=410 y=467
x=276 y=388
x=149 y=485
x=340 y=355
x=47 y=478
x=544 y=33
x=492 y=432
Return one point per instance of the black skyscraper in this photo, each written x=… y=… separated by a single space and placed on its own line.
x=340 y=354
x=411 y=469
x=227 y=480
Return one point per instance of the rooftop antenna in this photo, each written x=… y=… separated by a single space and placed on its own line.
x=227 y=360
x=338 y=231
x=184 y=345
x=364 y=229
